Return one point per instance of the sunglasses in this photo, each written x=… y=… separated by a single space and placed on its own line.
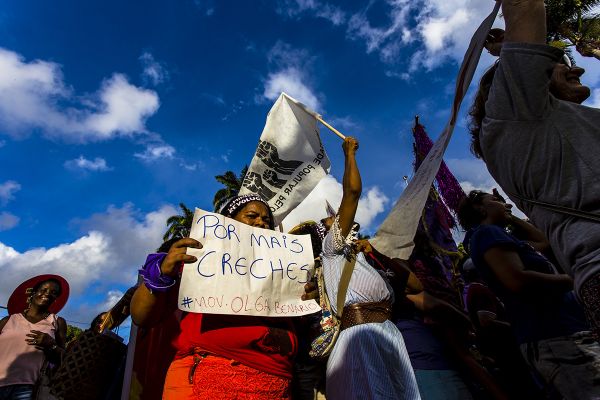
x=475 y=195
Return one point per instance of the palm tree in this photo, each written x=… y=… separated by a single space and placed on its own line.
x=232 y=183
x=572 y=23
x=179 y=225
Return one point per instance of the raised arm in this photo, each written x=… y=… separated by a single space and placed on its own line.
x=525 y=21
x=149 y=307
x=525 y=231
x=352 y=186
x=530 y=234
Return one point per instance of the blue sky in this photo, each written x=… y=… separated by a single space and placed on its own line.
x=112 y=112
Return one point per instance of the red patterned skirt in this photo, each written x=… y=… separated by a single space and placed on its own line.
x=210 y=377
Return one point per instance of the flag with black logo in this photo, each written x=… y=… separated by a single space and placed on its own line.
x=290 y=159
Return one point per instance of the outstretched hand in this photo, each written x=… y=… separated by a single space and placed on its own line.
x=177 y=256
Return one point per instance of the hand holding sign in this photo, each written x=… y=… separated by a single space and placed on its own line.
x=177 y=255
x=311 y=291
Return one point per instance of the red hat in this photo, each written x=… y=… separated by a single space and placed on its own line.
x=18 y=299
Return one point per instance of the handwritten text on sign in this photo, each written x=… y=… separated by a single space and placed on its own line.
x=243 y=270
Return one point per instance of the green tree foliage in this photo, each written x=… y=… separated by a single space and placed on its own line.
x=573 y=23
x=232 y=184
x=73 y=332
x=179 y=225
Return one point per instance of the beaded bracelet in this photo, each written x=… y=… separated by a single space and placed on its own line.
x=153 y=277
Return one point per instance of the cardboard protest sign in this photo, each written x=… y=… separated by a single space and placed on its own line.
x=243 y=270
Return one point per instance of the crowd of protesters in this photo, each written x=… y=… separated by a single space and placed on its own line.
x=525 y=324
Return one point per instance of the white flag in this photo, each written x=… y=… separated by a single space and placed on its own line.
x=290 y=159
x=395 y=235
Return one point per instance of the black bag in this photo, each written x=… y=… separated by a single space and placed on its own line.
x=90 y=367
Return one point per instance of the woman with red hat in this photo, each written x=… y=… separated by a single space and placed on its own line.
x=31 y=334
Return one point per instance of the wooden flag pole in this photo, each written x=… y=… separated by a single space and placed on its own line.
x=331 y=128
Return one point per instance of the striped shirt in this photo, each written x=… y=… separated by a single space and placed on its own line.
x=369 y=361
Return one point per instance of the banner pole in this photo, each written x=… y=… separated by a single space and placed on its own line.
x=331 y=128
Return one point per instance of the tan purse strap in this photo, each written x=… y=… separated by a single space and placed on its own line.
x=343 y=286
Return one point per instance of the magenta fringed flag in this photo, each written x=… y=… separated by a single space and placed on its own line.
x=439 y=276
x=447 y=185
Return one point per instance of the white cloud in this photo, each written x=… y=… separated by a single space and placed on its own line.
x=290 y=75
x=97 y=164
x=156 y=152
x=346 y=123
x=296 y=8
x=282 y=55
x=333 y=14
x=189 y=167
x=154 y=72
x=446 y=28
x=112 y=297
x=33 y=96
x=290 y=81
x=109 y=254
x=427 y=33
x=225 y=156
x=125 y=108
x=81 y=262
x=8 y=190
x=213 y=98
x=83 y=313
x=8 y=221
x=435 y=30
x=329 y=189
x=387 y=39
x=206 y=6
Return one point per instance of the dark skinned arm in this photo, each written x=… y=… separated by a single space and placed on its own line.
x=438 y=309
x=404 y=279
x=510 y=271
x=53 y=347
x=530 y=234
x=525 y=231
x=149 y=308
x=352 y=186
